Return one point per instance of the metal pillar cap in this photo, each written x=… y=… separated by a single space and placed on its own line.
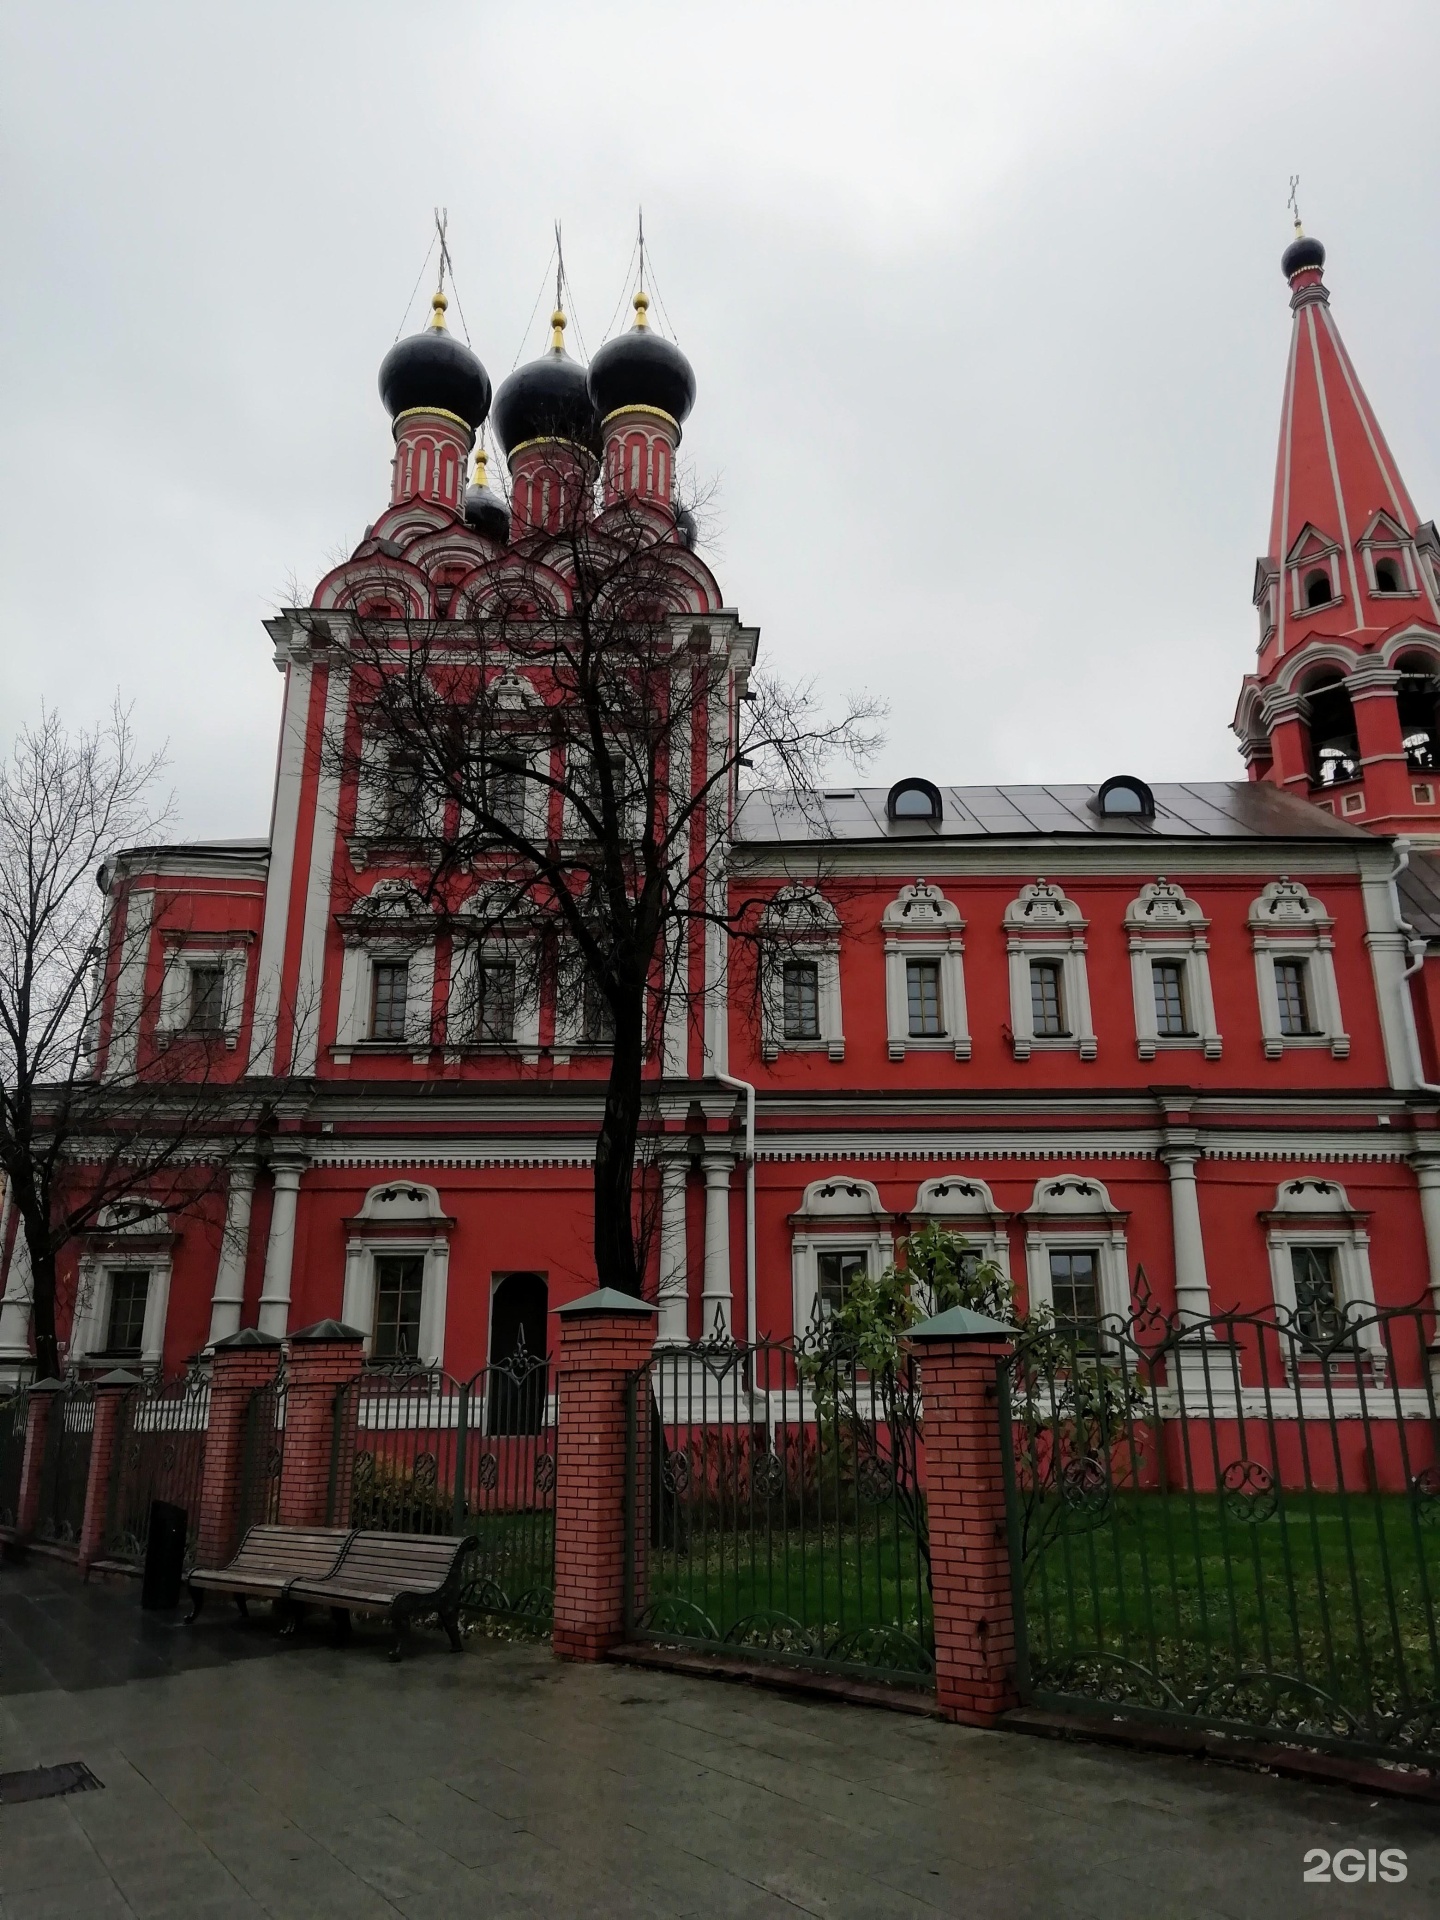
x=246 y=1337
x=961 y=1323
x=327 y=1330
x=607 y=1300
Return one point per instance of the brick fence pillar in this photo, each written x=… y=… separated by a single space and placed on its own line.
x=239 y=1365
x=960 y=1354
x=604 y=1338
x=37 y=1426
x=321 y=1359
x=110 y=1392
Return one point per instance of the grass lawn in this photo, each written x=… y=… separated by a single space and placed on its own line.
x=1178 y=1598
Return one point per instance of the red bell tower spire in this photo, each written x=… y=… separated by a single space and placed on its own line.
x=1344 y=706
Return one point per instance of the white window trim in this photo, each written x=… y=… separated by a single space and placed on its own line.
x=820 y=942
x=172 y=1020
x=965 y=1206
x=464 y=959
x=1287 y=922
x=92 y=1319
x=1323 y=1218
x=371 y=1235
x=1163 y=923
x=356 y=996
x=372 y=803
x=921 y=924
x=841 y=1214
x=1070 y=1211
x=1042 y=924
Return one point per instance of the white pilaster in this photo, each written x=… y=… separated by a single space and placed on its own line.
x=280 y=1251
x=15 y=1356
x=1192 y=1285
x=673 y=1330
x=715 y=1313
x=229 y=1295
x=305 y=1046
x=284 y=825
x=1427 y=1176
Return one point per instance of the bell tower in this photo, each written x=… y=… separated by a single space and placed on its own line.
x=1343 y=707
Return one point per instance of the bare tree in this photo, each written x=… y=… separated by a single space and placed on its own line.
x=82 y=1150
x=560 y=756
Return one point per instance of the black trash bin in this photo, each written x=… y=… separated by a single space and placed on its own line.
x=164 y=1555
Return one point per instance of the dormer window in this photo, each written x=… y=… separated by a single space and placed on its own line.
x=1319 y=591
x=914 y=800
x=1124 y=795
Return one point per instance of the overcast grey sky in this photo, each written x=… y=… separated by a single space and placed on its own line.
x=983 y=301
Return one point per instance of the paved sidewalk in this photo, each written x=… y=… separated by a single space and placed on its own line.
x=244 y=1776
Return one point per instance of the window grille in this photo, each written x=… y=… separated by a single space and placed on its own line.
x=834 y=1274
x=207 y=999
x=1294 y=1002
x=129 y=1289
x=389 y=994
x=399 y=1284
x=1075 y=1292
x=1170 y=1014
x=1317 y=1294
x=1047 y=1006
x=922 y=988
x=801 y=982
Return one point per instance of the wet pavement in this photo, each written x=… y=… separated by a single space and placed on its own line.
x=248 y=1776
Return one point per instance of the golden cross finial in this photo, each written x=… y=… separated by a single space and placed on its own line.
x=438 y=302
x=1294 y=201
x=481 y=477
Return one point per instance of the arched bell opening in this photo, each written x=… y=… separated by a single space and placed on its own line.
x=1417 y=698
x=1334 y=745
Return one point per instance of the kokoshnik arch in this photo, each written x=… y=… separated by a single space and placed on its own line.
x=1186 y=1026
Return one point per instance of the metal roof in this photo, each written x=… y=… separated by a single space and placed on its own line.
x=1208 y=810
x=1419 y=889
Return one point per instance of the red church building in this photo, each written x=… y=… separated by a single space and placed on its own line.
x=1189 y=1027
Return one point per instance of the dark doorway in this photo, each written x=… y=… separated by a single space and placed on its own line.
x=518 y=1375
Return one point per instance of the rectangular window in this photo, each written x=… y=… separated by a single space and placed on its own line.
x=922 y=992
x=833 y=1275
x=389 y=993
x=207 y=999
x=1075 y=1293
x=1317 y=1292
x=801 y=982
x=1047 y=1000
x=493 y=1015
x=1171 y=1020
x=506 y=793
x=129 y=1290
x=399 y=1280
x=403 y=814
x=1293 y=997
x=597 y=1023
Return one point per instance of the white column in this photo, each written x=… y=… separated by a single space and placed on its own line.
x=280 y=1251
x=715 y=1313
x=229 y=1295
x=1427 y=1175
x=15 y=1356
x=1192 y=1287
x=674 y=1328
x=357 y=1306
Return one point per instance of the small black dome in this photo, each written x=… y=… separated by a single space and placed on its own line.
x=1303 y=252
x=547 y=399
x=640 y=369
x=485 y=511
x=686 y=528
x=433 y=369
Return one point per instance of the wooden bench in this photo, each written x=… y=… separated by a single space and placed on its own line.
x=270 y=1559
x=400 y=1575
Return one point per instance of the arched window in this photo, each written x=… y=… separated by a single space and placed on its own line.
x=914 y=800
x=1334 y=745
x=1387 y=580
x=1318 y=589
x=1123 y=795
x=1417 y=697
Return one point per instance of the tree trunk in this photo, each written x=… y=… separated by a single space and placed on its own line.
x=616 y=1264
x=42 y=1303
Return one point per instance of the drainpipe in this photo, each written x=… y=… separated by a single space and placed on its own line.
x=1415 y=946
x=747 y=1087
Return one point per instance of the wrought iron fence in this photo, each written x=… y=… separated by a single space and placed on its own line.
x=159 y=1455
x=262 y=1455
x=65 y=1468
x=776 y=1507
x=416 y=1451
x=1234 y=1525
x=14 y=1417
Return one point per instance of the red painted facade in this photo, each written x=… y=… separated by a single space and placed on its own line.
x=1205 y=1155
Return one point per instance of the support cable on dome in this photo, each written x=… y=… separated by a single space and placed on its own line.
x=563 y=289
x=624 y=291
x=544 y=282
x=413 y=291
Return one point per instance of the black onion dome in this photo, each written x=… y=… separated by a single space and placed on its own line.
x=433 y=369
x=485 y=511
x=640 y=369
x=547 y=399
x=1301 y=253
